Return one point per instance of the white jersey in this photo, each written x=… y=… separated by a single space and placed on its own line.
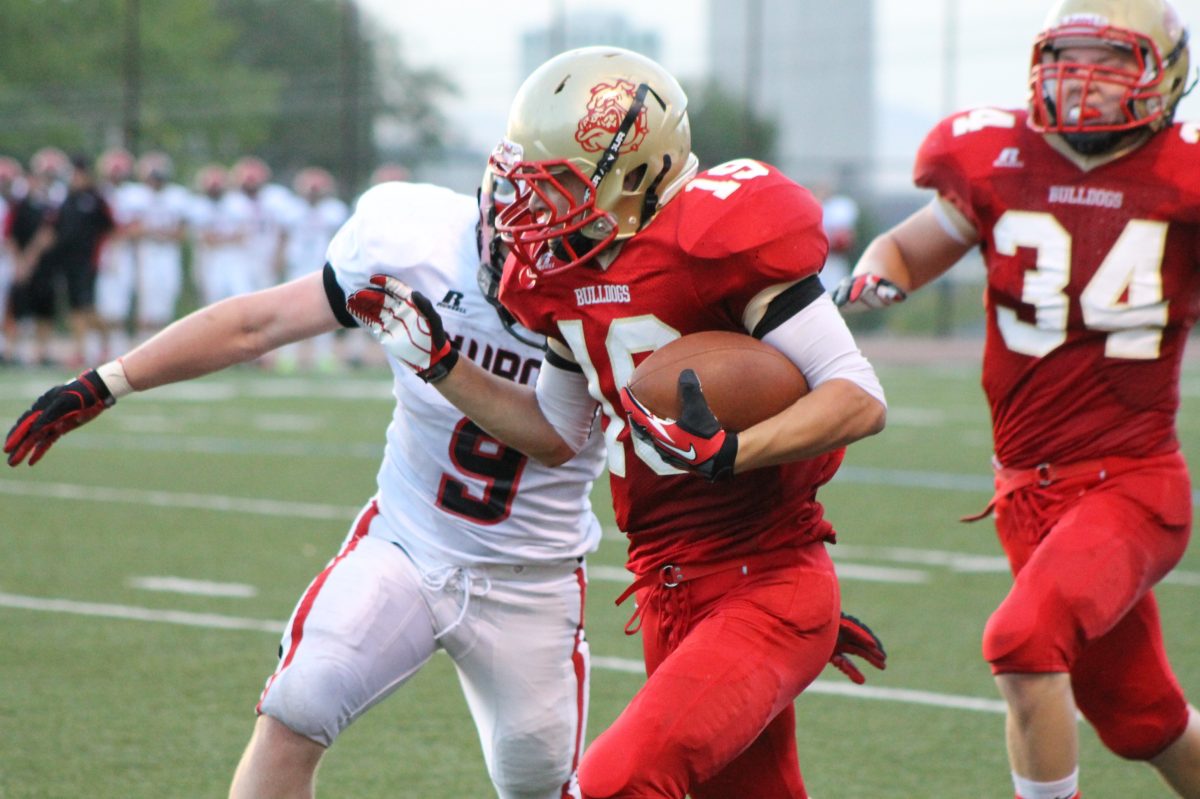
x=223 y=268
x=162 y=213
x=268 y=207
x=309 y=229
x=448 y=492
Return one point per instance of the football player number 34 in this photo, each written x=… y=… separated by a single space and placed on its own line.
x=1124 y=297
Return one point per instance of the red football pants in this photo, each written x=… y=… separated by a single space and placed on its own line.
x=726 y=655
x=1085 y=553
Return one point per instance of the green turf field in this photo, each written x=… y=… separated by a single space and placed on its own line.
x=111 y=689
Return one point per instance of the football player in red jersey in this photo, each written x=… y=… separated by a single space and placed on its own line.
x=1087 y=210
x=619 y=247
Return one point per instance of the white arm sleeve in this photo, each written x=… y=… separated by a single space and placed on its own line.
x=563 y=397
x=822 y=347
x=957 y=226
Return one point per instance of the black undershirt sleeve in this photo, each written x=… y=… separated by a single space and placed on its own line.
x=337 y=298
x=558 y=361
x=789 y=303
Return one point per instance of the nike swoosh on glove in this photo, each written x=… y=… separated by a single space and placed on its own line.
x=856 y=638
x=56 y=413
x=867 y=292
x=696 y=442
x=406 y=324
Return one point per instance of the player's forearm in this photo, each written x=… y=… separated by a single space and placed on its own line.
x=916 y=251
x=229 y=332
x=506 y=410
x=835 y=414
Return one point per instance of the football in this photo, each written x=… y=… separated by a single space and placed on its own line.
x=743 y=379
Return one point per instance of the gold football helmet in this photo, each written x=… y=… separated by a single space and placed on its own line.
x=617 y=122
x=1148 y=30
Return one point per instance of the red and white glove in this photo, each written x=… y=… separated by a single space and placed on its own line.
x=856 y=638
x=405 y=323
x=696 y=442
x=867 y=292
x=56 y=413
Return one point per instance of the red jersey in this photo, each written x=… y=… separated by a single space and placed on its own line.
x=731 y=233
x=1092 y=283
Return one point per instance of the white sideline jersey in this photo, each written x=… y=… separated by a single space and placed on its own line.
x=448 y=492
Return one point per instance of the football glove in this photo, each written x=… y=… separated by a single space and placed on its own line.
x=57 y=412
x=856 y=638
x=405 y=323
x=867 y=292
x=696 y=442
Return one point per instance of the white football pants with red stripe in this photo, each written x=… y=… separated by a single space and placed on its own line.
x=371 y=619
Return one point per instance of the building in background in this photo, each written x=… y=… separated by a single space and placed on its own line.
x=807 y=65
x=583 y=29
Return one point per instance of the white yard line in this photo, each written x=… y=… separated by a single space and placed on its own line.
x=183 y=585
x=176 y=499
x=843 y=553
x=623 y=665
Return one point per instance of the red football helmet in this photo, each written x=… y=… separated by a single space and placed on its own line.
x=1150 y=86
x=10 y=170
x=115 y=165
x=50 y=162
x=250 y=173
x=155 y=166
x=313 y=183
x=212 y=179
x=385 y=173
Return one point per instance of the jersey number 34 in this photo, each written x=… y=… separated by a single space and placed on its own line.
x=1124 y=297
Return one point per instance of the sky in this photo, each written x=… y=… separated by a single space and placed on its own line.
x=477 y=45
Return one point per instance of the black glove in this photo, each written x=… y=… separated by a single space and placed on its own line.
x=60 y=410
x=856 y=638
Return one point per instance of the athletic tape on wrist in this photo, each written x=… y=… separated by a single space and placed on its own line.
x=113 y=375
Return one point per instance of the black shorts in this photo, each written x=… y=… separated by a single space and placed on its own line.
x=34 y=298
x=80 y=277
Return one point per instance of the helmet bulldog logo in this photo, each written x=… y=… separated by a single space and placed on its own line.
x=605 y=111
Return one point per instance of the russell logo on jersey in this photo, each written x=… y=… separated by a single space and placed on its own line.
x=1010 y=157
x=453 y=302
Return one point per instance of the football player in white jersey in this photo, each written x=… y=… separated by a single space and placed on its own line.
x=221 y=222
x=309 y=223
x=117 y=275
x=162 y=220
x=467 y=546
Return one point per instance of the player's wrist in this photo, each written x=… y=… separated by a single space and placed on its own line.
x=439 y=370
x=114 y=379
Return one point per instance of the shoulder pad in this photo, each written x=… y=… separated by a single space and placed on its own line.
x=742 y=206
x=399 y=225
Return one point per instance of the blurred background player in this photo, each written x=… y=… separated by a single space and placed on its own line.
x=221 y=222
x=162 y=221
x=390 y=171
x=839 y=219
x=1086 y=207
x=83 y=222
x=29 y=234
x=12 y=187
x=309 y=225
x=267 y=204
x=116 y=279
